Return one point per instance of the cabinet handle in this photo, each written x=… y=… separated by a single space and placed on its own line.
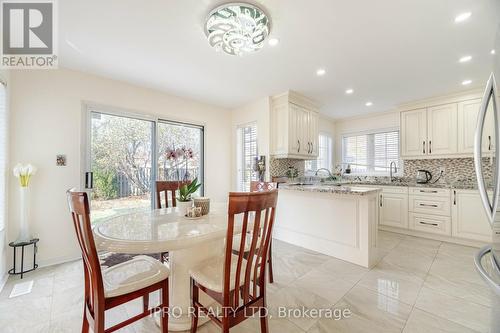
x=430 y=147
x=427 y=205
x=427 y=223
x=298 y=146
x=381 y=204
x=431 y=191
x=309 y=145
x=423 y=147
x=489 y=142
x=454 y=197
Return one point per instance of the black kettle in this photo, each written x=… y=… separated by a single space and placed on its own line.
x=423 y=176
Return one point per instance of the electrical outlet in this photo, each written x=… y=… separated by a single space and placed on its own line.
x=442 y=170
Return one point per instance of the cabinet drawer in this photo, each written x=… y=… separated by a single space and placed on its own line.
x=430 y=191
x=430 y=223
x=430 y=205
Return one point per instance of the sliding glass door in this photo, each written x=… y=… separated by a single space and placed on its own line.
x=121 y=162
x=126 y=154
x=180 y=151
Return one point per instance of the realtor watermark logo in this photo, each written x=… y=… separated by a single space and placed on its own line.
x=29 y=34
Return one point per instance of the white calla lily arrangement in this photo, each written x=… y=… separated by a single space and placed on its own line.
x=24 y=173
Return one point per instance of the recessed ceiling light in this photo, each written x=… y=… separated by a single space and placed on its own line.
x=368 y=103
x=466 y=82
x=274 y=41
x=321 y=72
x=349 y=91
x=465 y=58
x=462 y=17
x=493 y=51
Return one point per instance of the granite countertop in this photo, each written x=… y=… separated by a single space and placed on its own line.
x=457 y=185
x=326 y=188
x=340 y=187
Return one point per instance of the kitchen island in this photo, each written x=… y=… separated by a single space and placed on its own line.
x=339 y=221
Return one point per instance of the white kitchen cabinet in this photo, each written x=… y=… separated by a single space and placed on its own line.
x=394 y=208
x=414 y=132
x=442 y=129
x=468 y=112
x=469 y=220
x=314 y=133
x=294 y=127
x=430 y=223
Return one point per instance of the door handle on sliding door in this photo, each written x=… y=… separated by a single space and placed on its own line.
x=89 y=180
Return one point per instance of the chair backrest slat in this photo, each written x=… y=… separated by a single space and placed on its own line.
x=167 y=187
x=260 y=208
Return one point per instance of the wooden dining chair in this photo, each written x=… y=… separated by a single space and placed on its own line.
x=258 y=186
x=241 y=289
x=166 y=187
x=106 y=288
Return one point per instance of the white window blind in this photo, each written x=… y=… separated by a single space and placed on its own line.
x=246 y=154
x=371 y=153
x=325 y=158
x=3 y=154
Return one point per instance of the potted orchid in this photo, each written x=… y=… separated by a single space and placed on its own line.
x=24 y=174
x=179 y=159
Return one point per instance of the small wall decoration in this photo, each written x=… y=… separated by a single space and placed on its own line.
x=61 y=160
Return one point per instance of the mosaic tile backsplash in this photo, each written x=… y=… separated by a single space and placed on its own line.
x=279 y=166
x=456 y=169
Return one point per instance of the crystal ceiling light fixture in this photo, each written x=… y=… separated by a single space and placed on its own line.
x=237 y=28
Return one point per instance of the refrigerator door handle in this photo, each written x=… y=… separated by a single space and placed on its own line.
x=489 y=96
x=482 y=271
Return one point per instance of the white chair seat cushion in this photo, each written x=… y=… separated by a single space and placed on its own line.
x=132 y=275
x=248 y=242
x=210 y=274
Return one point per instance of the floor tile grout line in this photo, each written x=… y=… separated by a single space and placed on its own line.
x=422 y=286
x=357 y=282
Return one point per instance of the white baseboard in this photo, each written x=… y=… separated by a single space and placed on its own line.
x=448 y=239
x=3 y=281
x=52 y=261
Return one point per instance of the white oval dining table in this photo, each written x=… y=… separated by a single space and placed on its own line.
x=189 y=243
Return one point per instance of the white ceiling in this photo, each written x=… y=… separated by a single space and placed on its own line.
x=388 y=51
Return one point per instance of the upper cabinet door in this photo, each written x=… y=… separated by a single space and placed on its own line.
x=414 y=133
x=442 y=129
x=467 y=122
x=295 y=133
x=313 y=133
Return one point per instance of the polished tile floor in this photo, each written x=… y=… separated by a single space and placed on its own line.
x=420 y=285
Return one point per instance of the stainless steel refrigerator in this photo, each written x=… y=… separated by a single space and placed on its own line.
x=487 y=260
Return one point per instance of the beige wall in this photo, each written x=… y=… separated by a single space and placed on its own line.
x=4 y=172
x=47 y=120
x=258 y=112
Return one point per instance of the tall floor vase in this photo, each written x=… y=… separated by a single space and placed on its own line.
x=24 y=215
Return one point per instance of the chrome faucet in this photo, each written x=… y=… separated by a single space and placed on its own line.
x=390 y=170
x=325 y=169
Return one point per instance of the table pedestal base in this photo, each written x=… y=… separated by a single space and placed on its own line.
x=179 y=282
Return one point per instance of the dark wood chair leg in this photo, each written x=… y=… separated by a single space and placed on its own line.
x=145 y=302
x=194 y=299
x=264 y=326
x=164 y=308
x=85 y=324
x=270 y=262
x=225 y=325
x=99 y=321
